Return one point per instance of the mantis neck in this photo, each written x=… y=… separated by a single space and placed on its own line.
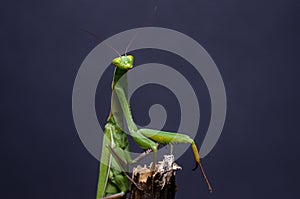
x=115 y=104
x=120 y=105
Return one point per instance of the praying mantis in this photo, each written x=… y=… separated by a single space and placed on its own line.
x=113 y=180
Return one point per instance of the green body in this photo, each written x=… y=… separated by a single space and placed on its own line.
x=113 y=182
x=111 y=177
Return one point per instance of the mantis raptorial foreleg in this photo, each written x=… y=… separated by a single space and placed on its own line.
x=145 y=137
x=164 y=137
x=141 y=140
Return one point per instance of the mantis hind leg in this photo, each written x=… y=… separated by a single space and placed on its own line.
x=163 y=137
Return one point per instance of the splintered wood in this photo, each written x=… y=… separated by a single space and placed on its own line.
x=156 y=182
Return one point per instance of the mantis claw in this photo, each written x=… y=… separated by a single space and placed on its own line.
x=195 y=167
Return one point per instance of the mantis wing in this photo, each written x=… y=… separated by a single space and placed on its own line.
x=105 y=163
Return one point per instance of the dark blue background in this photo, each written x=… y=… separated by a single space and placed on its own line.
x=254 y=43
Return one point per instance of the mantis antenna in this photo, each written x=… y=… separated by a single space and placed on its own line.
x=98 y=38
x=131 y=41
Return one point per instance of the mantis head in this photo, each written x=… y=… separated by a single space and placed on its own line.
x=124 y=62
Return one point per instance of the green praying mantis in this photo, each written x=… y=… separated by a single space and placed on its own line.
x=113 y=181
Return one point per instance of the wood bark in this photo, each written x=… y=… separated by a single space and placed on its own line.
x=157 y=183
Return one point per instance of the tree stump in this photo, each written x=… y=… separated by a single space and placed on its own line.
x=157 y=182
